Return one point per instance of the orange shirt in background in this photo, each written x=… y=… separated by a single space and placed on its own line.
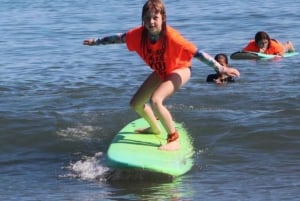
x=178 y=53
x=274 y=47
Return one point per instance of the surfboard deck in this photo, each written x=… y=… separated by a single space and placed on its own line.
x=134 y=150
x=240 y=55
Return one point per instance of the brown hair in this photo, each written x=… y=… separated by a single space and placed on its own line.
x=222 y=55
x=158 y=7
x=261 y=35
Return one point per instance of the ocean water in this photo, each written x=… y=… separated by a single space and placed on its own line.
x=61 y=103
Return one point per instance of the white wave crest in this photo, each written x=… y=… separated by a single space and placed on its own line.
x=89 y=168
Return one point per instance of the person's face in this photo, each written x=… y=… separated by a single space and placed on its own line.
x=221 y=60
x=153 y=22
x=263 y=44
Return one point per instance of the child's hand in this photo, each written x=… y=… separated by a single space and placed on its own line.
x=231 y=72
x=218 y=81
x=89 y=42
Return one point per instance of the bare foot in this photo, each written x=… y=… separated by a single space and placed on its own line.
x=146 y=131
x=172 y=146
x=289 y=47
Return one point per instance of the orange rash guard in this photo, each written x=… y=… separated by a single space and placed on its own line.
x=274 y=47
x=178 y=53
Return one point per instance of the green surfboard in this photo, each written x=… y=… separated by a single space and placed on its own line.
x=134 y=150
x=240 y=55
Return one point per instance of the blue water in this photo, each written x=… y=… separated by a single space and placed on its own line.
x=61 y=103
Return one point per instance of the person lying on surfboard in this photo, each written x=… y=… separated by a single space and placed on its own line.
x=219 y=78
x=169 y=55
x=264 y=44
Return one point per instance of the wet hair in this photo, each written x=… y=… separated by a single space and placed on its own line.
x=261 y=35
x=158 y=7
x=222 y=55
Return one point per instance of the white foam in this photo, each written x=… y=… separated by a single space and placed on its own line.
x=89 y=168
x=79 y=132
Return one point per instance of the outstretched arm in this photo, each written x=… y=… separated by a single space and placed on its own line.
x=118 y=38
x=209 y=60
